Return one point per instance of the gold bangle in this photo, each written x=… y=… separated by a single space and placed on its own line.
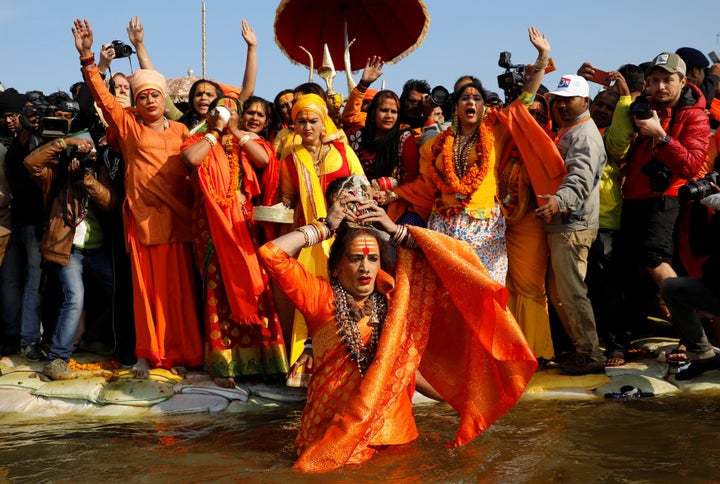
x=212 y=140
x=541 y=63
x=244 y=140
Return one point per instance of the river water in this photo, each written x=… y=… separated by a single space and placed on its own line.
x=651 y=440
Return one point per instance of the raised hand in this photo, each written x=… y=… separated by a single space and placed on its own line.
x=135 y=31
x=373 y=69
x=540 y=41
x=83 y=37
x=248 y=34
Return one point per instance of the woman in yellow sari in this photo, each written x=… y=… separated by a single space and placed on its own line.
x=305 y=174
x=526 y=241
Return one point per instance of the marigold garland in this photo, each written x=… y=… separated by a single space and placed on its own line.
x=447 y=180
x=232 y=153
x=111 y=364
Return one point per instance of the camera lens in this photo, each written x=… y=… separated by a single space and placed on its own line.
x=439 y=95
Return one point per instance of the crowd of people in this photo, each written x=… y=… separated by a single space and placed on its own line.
x=453 y=246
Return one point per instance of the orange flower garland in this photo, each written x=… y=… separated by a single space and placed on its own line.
x=447 y=180
x=232 y=152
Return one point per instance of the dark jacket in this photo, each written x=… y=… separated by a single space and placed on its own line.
x=689 y=130
x=62 y=193
x=704 y=242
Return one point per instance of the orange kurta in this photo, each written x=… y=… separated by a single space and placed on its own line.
x=157 y=213
x=446 y=317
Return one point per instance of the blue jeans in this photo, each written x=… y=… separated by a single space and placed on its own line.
x=95 y=265
x=20 y=279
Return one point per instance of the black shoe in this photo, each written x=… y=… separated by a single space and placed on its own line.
x=698 y=367
x=33 y=352
x=582 y=365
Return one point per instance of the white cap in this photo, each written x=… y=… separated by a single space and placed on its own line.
x=571 y=85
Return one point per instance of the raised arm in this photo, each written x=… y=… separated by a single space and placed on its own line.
x=541 y=43
x=250 y=77
x=136 y=35
x=83 y=38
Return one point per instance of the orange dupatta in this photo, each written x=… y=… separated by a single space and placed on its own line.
x=447 y=318
x=229 y=227
x=539 y=153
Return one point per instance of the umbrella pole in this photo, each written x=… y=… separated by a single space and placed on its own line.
x=204 y=43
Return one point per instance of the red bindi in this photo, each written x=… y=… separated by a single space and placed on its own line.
x=366 y=249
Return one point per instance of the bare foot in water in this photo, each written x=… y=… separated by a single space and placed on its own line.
x=224 y=382
x=178 y=370
x=141 y=368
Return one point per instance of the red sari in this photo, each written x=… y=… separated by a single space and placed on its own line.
x=243 y=337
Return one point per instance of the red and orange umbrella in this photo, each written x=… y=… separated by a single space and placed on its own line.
x=390 y=29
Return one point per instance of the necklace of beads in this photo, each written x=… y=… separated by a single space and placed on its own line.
x=461 y=152
x=348 y=314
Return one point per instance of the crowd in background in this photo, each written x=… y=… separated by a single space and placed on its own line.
x=128 y=223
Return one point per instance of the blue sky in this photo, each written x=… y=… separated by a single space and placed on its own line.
x=465 y=37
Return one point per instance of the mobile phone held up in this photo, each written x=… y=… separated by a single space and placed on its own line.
x=601 y=77
x=714 y=57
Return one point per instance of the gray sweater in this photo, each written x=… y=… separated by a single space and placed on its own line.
x=578 y=197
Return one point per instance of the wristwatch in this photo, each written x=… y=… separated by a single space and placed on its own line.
x=663 y=140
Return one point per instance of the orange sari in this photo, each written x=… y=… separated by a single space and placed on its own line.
x=243 y=337
x=446 y=317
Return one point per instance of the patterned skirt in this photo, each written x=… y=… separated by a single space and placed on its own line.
x=485 y=236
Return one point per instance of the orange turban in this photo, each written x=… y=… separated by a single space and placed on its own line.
x=144 y=79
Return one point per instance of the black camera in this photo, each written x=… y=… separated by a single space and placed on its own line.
x=87 y=160
x=49 y=125
x=439 y=96
x=513 y=78
x=659 y=175
x=699 y=189
x=52 y=127
x=640 y=108
x=121 y=49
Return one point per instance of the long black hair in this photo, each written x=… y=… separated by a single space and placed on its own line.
x=265 y=133
x=191 y=117
x=385 y=148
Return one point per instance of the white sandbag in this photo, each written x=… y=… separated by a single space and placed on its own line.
x=138 y=392
x=208 y=387
x=644 y=384
x=193 y=403
x=647 y=367
x=279 y=392
x=80 y=389
x=26 y=379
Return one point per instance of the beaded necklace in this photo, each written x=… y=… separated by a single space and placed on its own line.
x=348 y=314
x=461 y=151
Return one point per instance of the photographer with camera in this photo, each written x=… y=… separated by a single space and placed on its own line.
x=685 y=296
x=75 y=187
x=21 y=275
x=670 y=147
